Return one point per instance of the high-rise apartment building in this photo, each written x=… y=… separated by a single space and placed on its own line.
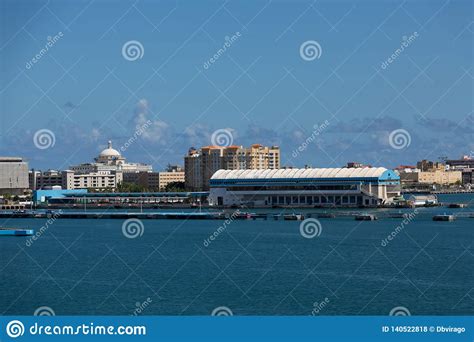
x=200 y=165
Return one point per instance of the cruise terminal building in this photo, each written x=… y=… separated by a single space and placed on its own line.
x=326 y=187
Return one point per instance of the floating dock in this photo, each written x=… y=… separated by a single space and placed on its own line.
x=16 y=232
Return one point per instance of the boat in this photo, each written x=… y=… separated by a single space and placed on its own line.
x=457 y=205
x=444 y=217
x=365 y=217
x=16 y=232
x=293 y=217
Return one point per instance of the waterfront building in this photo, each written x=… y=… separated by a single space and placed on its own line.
x=105 y=173
x=110 y=160
x=201 y=164
x=326 y=187
x=13 y=175
x=44 y=196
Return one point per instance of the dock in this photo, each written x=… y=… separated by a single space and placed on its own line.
x=16 y=232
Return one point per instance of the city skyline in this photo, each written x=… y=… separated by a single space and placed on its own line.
x=377 y=69
x=365 y=163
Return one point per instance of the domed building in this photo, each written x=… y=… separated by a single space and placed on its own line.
x=110 y=156
x=111 y=160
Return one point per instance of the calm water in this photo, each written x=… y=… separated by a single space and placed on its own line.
x=252 y=267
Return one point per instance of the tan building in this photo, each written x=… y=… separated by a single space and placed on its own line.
x=201 y=164
x=166 y=178
x=431 y=177
x=156 y=181
x=440 y=177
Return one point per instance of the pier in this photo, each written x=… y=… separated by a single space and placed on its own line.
x=233 y=215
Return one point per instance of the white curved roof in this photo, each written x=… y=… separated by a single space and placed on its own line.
x=370 y=172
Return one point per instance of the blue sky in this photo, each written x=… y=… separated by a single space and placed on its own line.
x=260 y=89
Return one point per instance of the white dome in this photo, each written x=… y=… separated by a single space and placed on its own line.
x=109 y=152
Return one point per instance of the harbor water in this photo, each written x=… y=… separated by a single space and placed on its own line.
x=250 y=267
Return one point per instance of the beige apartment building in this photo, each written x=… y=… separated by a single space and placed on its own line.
x=201 y=164
x=431 y=177
x=440 y=177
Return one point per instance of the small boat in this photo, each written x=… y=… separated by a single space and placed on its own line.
x=293 y=217
x=444 y=217
x=16 y=232
x=365 y=217
x=457 y=205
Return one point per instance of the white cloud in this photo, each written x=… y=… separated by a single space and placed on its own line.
x=156 y=131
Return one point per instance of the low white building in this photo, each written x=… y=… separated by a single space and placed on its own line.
x=339 y=187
